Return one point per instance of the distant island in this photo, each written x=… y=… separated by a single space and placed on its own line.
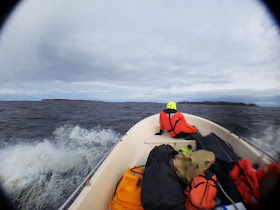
x=70 y=100
x=217 y=103
x=180 y=102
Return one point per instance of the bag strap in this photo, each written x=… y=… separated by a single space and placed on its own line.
x=208 y=176
x=172 y=128
x=142 y=166
x=117 y=185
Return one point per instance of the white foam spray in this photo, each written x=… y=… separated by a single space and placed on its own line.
x=268 y=141
x=44 y=174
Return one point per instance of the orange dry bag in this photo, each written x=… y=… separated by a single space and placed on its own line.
x=128 y=190
x=201 y=192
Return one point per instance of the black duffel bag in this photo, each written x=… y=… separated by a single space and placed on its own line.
x=161 y=188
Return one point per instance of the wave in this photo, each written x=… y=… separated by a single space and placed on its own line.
x=42 y=175
x=267 y=141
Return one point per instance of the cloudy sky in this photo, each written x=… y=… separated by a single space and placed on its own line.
x=148 y=50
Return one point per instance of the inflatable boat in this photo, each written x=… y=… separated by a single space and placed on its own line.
x=96 y=192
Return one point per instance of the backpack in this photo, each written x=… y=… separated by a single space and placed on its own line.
x=201 y=192
x=161 y=188
x=128 y=190
x=246 y=181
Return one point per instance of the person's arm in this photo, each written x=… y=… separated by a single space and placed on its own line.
x=181 y=117
x=192 y=128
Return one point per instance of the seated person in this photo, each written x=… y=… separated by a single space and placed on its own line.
x=175 y=123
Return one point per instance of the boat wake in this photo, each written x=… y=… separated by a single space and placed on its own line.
x=44 y=174
x=267 y=141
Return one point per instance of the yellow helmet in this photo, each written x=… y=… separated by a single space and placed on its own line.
x=171 y=105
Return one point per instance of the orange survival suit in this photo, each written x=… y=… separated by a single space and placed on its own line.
x=175 y=123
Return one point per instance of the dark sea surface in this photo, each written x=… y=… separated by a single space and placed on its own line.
x=48 y=147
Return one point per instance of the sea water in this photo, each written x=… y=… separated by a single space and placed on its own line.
x=47 y=148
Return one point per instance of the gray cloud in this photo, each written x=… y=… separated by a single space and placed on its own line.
x=142 y=50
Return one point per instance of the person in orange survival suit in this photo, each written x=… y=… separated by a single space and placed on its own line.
x=175 y=123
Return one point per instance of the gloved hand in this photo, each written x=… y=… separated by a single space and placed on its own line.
x=159 y=133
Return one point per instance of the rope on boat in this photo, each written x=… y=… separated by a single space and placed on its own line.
x=229 y=198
